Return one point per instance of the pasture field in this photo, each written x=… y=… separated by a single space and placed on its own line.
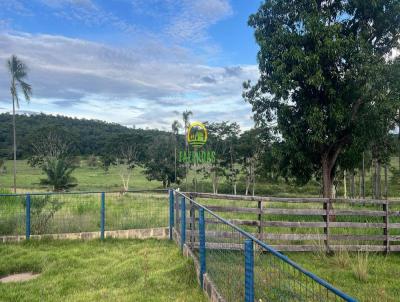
x=74 y=213
x=113 y=270
x=96 y=179
x=369 y=277
x=366 y=276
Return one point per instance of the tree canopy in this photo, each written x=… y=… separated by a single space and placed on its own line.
x=324 y=78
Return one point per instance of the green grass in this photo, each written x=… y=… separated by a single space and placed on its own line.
x=368 y=277
x=81 y=212
x=115 y=270
x=89 y=178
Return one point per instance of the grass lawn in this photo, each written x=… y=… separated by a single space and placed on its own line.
x=114 y=270
x=369 y=277
x=89 y=179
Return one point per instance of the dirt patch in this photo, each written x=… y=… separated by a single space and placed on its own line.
x=22 y=277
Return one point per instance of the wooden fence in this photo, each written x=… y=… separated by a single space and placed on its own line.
x=304 y=224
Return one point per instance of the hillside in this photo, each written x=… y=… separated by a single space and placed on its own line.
x=86 y=136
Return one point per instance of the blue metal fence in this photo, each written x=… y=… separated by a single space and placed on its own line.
x=242 y=267
x=77 y=212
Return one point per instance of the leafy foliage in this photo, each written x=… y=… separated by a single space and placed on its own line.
x=58 y=172
x=92 y=161
x=160 y=164
x=85 y=137
x=53 y=156
x=324 y=78
x=43 y=209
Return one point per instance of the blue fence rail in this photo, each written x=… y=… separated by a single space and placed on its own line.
x=242 y=267
x=76 y=212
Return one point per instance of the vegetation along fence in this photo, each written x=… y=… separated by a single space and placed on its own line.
x=309 y=224
x=133 y=214
x=237 y=266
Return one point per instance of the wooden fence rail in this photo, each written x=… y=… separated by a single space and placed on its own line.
x=304 y=224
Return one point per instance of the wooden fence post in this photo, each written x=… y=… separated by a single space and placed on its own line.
x=386 y=243
x=386 y=182
x=326 y=229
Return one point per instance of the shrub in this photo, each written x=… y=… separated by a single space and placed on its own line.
x=92 y=161
x=58 y=172
x=43 y=209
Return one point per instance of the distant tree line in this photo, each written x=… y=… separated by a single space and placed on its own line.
x=86 y=137
x=242 y=157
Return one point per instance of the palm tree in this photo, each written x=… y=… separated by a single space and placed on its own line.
x=18 y=72
x=175 y=130
x=185 y=115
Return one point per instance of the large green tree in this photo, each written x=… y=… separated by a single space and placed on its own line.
x=160 y=164
x=18 y=73
x=323 y=67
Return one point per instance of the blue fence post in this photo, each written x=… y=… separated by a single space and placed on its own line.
x=202 y=239
x=102 y=215
x=28 y=217
x=249 y=270
x=183 y=222
x=171 y=213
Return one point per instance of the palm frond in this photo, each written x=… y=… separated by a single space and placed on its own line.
x=18 y=71
x=26 y=89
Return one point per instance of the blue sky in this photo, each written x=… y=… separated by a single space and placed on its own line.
x=135 y=62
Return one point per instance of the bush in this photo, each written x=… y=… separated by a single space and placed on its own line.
x=58 y=172
x=92 y=161
x=43 y=209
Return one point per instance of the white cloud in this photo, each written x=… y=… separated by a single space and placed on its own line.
x=195 y=17
x=143 y=85
x=88 y=13
x=184 y=20
x=15 y=6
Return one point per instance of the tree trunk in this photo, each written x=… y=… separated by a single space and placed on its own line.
x=398 y=138
x=327 y=178
x=352 y=184
x=363 y=178
x=345 y=184
x=247 y=185
x=378 y=180
x=14 y=147
x=215 y=183
x=386 y=182
x=175 y=163
x=373 y=179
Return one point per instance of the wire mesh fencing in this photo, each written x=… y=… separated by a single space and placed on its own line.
x=241 y=266
x=12 y=215
x=61 y=213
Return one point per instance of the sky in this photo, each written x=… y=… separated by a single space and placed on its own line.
x=139 y=63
